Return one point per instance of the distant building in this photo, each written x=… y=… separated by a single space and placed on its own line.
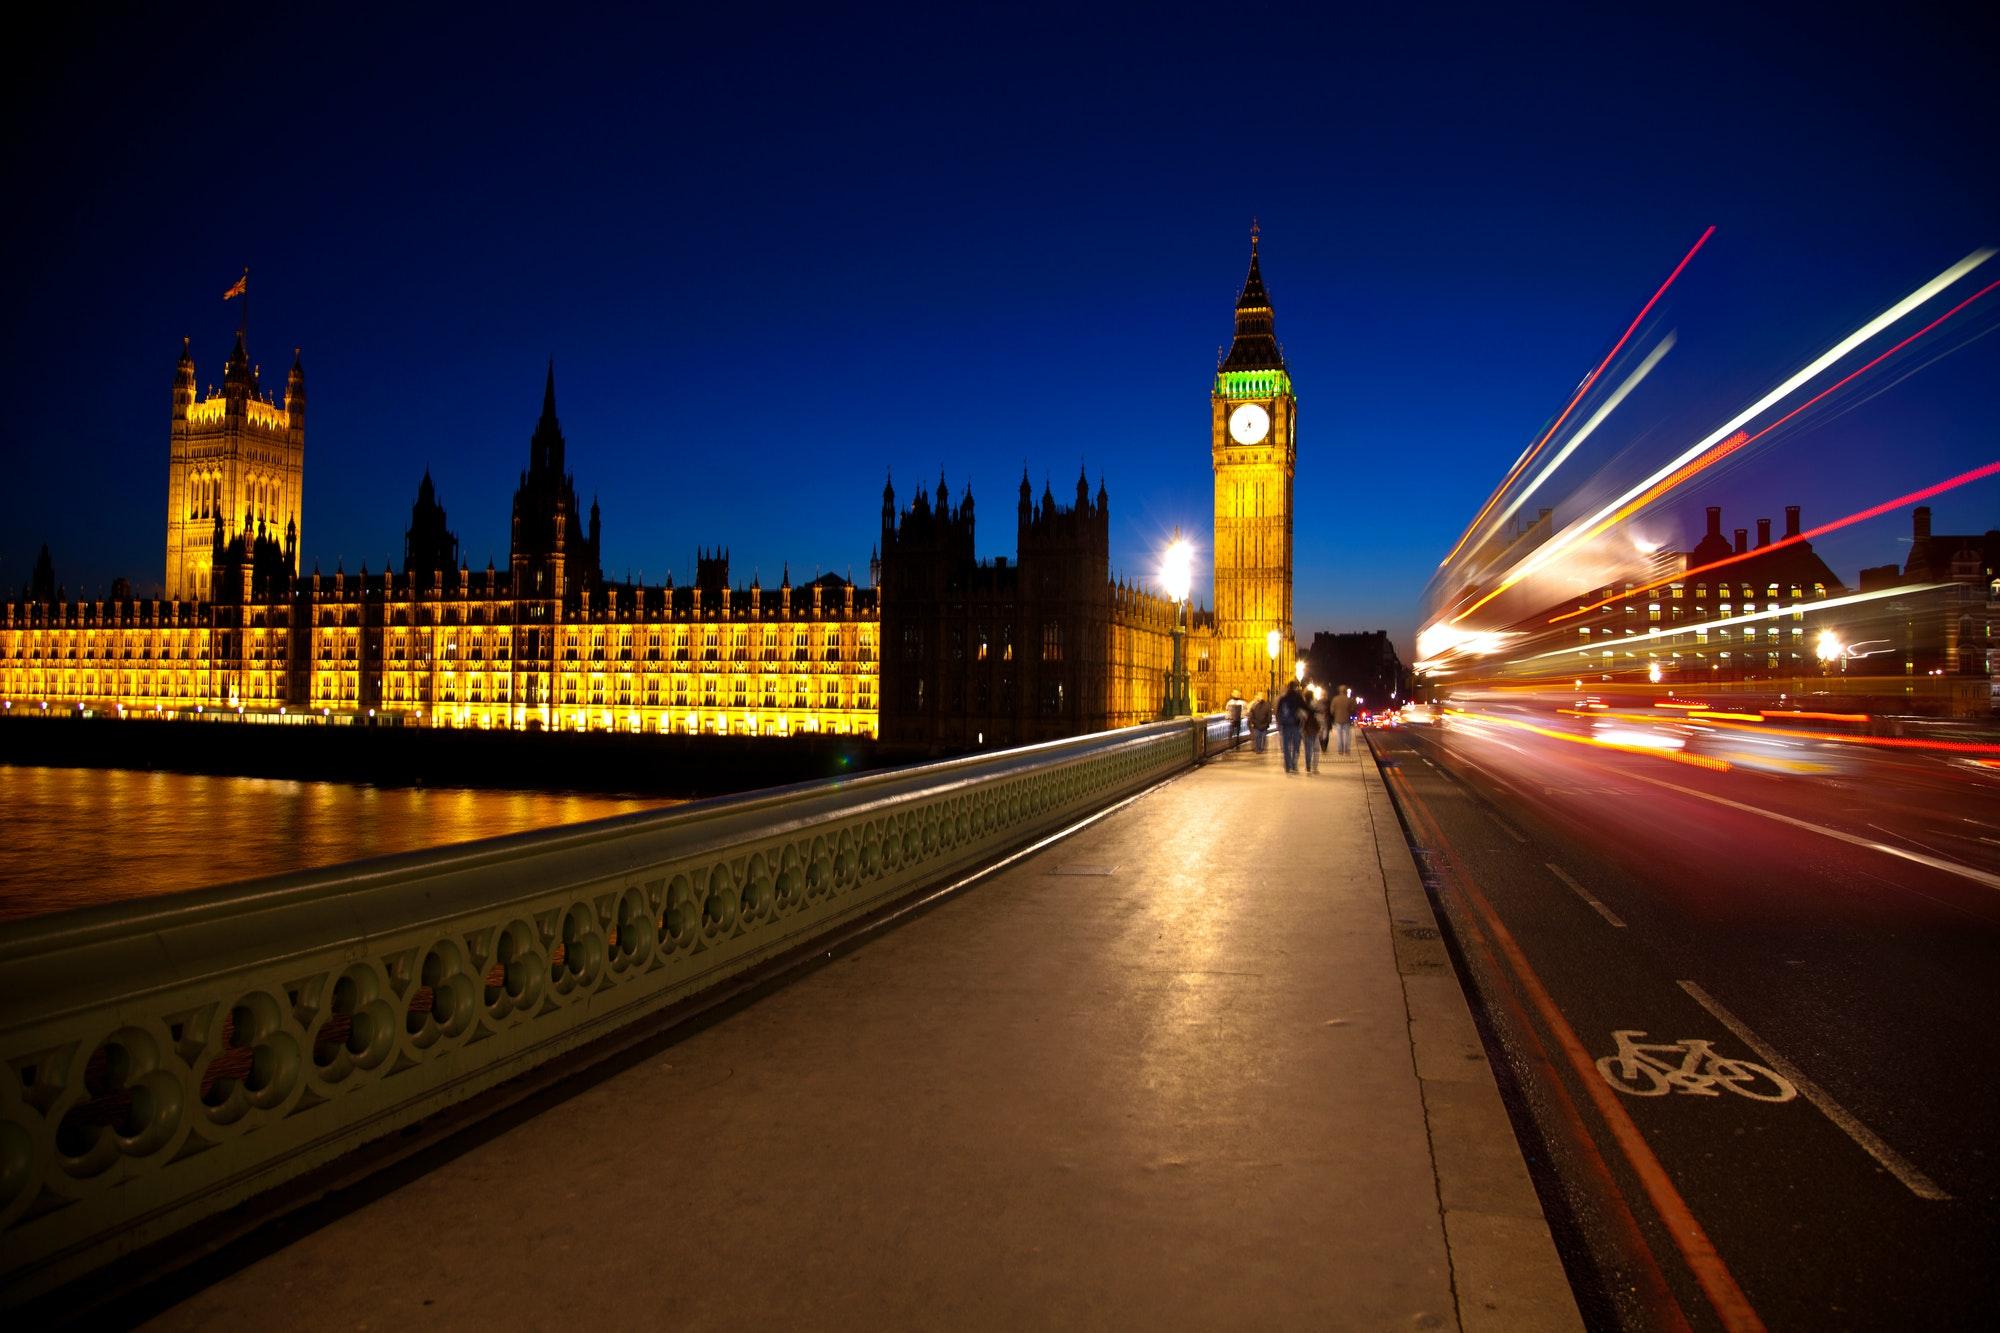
x=545 y=643
x=1009 y=652
x=1723 y=611
x=1366 y=662
x=1948 y=631
x=1049 y=645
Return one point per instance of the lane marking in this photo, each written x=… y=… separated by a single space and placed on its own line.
x=1584 y=894
x=1511 y=831
x=1892 y=1161
x=1711 y=1273
x=1906 y=838
x=1935 y=863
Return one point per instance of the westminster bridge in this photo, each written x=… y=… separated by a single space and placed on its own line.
x=1181 y=1056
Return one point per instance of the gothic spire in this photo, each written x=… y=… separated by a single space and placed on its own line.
x=1255 y=346
x=545 y=450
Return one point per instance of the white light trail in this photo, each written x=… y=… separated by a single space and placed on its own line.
x=1823 y=604
x=1644 y=369
x=1578 y=531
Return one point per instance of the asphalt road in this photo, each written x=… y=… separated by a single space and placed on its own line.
x=1824 y=914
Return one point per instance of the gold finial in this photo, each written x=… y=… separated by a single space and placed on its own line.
x=1253 y=234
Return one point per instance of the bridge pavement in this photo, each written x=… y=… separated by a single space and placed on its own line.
x=1199 y=1064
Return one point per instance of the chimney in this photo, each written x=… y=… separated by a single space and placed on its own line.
x=1742 y=540
x=1763 y=532
x=1791 y=520
x=1715 y=520
x=1921 y=520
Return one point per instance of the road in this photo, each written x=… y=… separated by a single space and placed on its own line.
x=1806 y=903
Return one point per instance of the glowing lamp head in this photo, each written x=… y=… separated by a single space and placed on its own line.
x=1272 y=642
x=1829 y=648
x=1299 y=671
x=1177 y=569
x=1653 y=673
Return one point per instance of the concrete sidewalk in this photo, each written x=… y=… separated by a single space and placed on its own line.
x=1202 y=1064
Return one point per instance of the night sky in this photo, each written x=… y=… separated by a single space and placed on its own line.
x=774 y=257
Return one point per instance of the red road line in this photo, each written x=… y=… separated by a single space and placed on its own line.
x=1731 y=1305
x=1630 y=1241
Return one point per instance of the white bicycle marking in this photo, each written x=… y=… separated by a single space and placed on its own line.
x=1894 y=1162
x=1689 y=1066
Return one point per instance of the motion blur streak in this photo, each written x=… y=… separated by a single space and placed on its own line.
x=1731 y=445
x=1729 y=622
x=1576 y=398
x=1754 y=722
x=1577 y=532
x=1873 y=511
x=1632 y=382
x=1650 y=751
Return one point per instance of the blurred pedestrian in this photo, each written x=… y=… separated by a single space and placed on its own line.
x=1235 y=710
x=1316 y=728
x=1260 y=721
x=1293 y=715
x=1343 y=717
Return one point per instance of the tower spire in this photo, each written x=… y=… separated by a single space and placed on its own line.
x=1255 y=346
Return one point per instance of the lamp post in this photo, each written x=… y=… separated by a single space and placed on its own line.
x=1177 y=579
x=1272 y=642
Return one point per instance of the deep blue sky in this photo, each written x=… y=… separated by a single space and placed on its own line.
x=775 y=256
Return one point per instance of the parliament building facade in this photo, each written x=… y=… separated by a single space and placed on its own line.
x=945 y=650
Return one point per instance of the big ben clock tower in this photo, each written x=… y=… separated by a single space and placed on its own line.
x=1254 y=418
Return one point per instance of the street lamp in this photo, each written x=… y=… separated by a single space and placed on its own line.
x=1829 y=648
x=1272 y=642
x=1299 y=671
x=1177 y=579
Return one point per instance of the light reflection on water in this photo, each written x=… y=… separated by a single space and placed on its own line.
x=76 y=836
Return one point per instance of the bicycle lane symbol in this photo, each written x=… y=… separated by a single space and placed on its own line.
x=1689 y=1066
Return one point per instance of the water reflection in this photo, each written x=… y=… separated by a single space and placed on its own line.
x=76 y=836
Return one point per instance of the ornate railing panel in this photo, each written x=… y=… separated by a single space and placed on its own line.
x=169 y=1058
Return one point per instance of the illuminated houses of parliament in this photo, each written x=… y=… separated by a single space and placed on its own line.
x=1048 y=646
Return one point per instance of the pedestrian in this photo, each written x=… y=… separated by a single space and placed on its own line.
x=1292 y=714
x=1260 y=721
x=1343 y=716
x=1316 y=729
x=1235 y=716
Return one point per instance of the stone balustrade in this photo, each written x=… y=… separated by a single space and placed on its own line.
x=169 y=1058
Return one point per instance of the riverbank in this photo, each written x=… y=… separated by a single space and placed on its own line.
x=680 y=767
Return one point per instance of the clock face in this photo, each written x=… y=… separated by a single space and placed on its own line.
x=1249 y=424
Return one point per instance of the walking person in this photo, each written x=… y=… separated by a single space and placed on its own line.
x=1316 y=729
x=1292 y=713
x=1343 y=717
x=1260 y=721
x=1235 y=711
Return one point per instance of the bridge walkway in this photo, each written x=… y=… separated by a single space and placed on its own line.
x=1196 y=1065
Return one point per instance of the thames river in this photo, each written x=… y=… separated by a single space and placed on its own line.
x=76 y=836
